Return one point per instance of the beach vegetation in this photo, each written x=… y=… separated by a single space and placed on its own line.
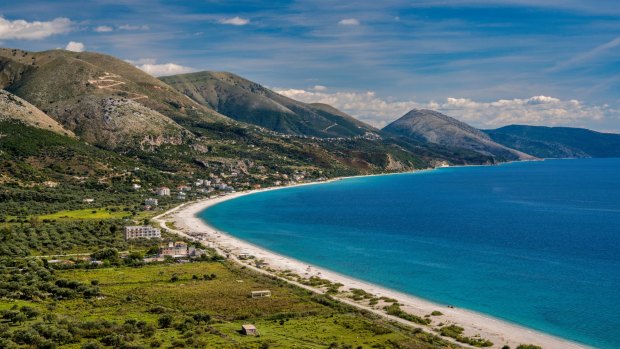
x=456 y=332
x=395 y=310
x=357 y=294
x=388 y=299
x=528 y=346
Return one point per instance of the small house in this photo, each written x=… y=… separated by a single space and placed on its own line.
x=151 y=202
x=163 y=191
x=249 y=330
x=260 y=294
x=184 y=188
x=244 y=255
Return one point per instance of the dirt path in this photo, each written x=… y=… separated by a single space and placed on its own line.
x=101 y=81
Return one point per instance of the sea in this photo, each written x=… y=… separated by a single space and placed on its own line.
x=534 y=243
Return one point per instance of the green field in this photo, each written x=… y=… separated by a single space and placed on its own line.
x=95 y=213
x=290 y=318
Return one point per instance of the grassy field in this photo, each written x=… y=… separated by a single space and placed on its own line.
x=290 y=318
x=96 y=213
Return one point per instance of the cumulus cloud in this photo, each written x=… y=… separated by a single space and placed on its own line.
x=75 y=46
x=536 y=110
x=133 y=27
x=349 y=21
x=150 y=66
x=319 y=88
x=103 y=29
x=234 y=21
x=20 y=29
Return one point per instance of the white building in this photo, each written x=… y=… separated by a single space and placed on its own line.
x=181 y=196
x=136 y=186
x=151 y=202
x=163 y=191
x=141 y=231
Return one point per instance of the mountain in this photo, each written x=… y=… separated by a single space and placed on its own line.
x=64 y=112
x=102 y=99
x=16 y=109
x=436 y=128
x=557 y=142
x=247 y=101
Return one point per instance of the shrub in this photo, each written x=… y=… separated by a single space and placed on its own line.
x=164 y=321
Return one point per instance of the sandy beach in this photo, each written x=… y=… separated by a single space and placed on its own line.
x=500 y=332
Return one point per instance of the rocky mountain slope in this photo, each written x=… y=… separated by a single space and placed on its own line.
x=247 y=101
x=17 y=109
x=104 y=100
x=436 y=128
x=557 y=142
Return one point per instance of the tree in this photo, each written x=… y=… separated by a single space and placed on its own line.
x=110 y=254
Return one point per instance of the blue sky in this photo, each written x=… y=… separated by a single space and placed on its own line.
x=489 y=63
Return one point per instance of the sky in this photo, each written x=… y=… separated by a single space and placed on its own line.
x=486 y=62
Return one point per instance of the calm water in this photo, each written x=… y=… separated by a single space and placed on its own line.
x=534 y=243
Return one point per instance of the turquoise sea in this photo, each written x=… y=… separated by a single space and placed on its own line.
x=534 y=243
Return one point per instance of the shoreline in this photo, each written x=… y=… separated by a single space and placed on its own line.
x=500 y=332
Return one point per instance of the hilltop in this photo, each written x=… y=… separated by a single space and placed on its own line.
x=436 y=128
x=247 y=101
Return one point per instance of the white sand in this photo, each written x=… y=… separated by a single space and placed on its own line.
x=498 y=331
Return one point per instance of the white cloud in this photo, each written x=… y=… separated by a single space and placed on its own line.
x=103 y=29
x=234 y=21
x=536 y=110
x=75 y=46
x=319 y=88
x=150 y=66
x=133 y=27
x=349 y=21
x=142 y=61
x=20 y=29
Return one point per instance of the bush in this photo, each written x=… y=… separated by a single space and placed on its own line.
x=395 y=310
x=164 y=321
x=456 y=332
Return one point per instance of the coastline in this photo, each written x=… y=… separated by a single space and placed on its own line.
x=500 y=332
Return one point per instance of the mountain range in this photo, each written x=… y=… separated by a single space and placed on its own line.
x=112 y=114
x=558 y=142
